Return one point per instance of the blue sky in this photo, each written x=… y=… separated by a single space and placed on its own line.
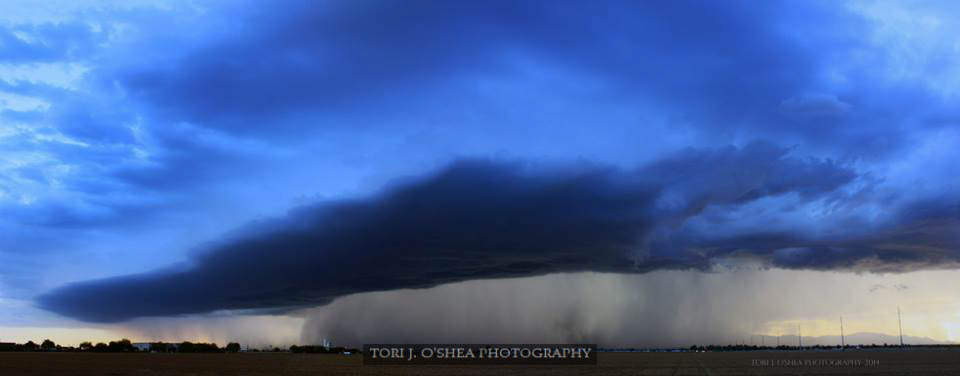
x=303 y=151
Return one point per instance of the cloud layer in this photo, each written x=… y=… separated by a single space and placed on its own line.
x=426 y=142
x=484 y=219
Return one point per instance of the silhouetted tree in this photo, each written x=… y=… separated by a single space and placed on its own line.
x=190 y=347
x=85 y=345
x=47 y=344
x=101 y=347
x=233 y=347
x=120 y=346
x=30 y=346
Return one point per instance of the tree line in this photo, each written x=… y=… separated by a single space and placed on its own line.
x=124 y=345
x=322 y=350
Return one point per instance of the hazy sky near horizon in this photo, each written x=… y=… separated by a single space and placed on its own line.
x=187 y=168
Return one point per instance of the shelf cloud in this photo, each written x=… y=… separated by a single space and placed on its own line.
x=482 y=219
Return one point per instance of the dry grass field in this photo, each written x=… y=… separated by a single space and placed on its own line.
x=873 y=362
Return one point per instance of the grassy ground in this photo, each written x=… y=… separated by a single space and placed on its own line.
x=873 y=362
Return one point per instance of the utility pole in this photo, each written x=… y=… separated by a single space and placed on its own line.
x=799 y=337
x=900 y=324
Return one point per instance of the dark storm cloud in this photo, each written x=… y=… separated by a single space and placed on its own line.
x=723 y=62
x=216 y=122
x=472 y=220
x=725 y=70
x=297 y=66
x=924 y=234
x=305 y=58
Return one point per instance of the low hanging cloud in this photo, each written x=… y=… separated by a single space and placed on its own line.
x=481 y=219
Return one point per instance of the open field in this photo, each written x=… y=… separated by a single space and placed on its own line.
x=872 y=362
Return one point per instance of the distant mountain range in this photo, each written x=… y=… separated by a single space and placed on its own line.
x=850 y=339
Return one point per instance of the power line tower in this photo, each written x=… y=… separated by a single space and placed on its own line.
x=799 y=337
x=843 y=344
x=900 y=324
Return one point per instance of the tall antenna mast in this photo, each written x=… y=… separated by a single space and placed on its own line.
x=900 y=324
x=842 y=343
x=799 y=337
